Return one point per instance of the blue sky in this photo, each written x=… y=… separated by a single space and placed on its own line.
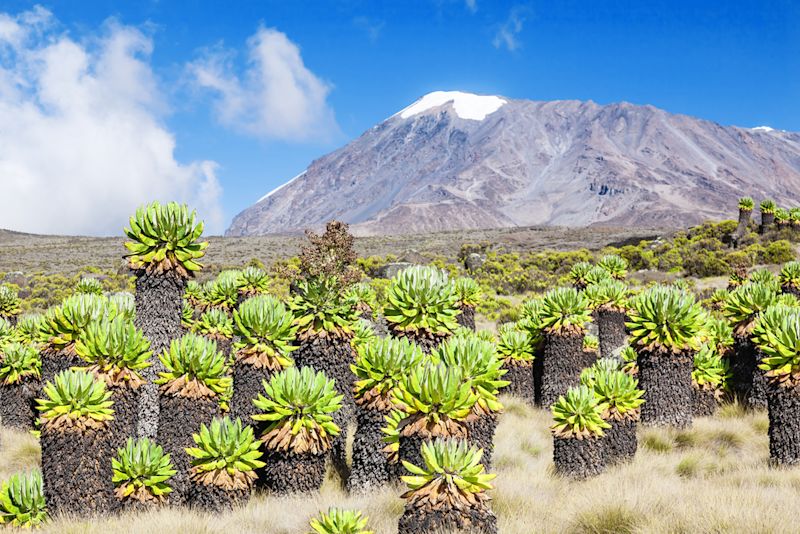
x=219 y=136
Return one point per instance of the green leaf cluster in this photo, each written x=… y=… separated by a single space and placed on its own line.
x=578 y=414
x=379 y=367
x=65 y=323
x=467 y=290
x=618 y=393
x=339 y=521
x=320 y=307
x=22 y=502
x=214 y=323
x=514 y=345
x=19 y=361
x=9 y=302
x=76 y=397
x=89 y=286
x=436 y=392
x=265 y=332
x=451 y=464
x=422 y=298
x=790 y=275
x=113 y=345
x=252 y=281
x=615 y=265
x=564 y=309
x=225 y=445
x=664 y=318
x=142 y=470
x=480 y=365
x=745 y=303
x=194 y=359
x=608 y=294
x=746 y=204
x=164 y=238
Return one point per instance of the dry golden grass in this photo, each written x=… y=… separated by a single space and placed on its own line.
x=711 y=478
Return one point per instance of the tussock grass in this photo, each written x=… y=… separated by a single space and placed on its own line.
x=713 y=477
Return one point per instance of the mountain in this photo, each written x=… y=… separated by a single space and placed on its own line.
x=455 y=160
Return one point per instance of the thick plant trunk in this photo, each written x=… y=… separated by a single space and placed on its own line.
x=215 y=499
x=333 y=356
x=611 y=331
x=371 y=467
x=53 y=362
x=520 y=377
x=741 y=228
x=76 y=471
x=427 y=342
x=410 y=450
x=467 y=317
x=480 y=433
x=668 y=391
x=179 y=418
x=748 y=382
x=621 y=442
x=705 y=401
x=473 y=521
x=292 y=473
x=579 y=458
x=126 y=413
x=159 y=302
x=247 y=385
x=784 y=425
x=767 y=220
x=562 y=363
x=18 y=404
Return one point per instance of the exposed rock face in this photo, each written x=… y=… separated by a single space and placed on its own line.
x=529 y=163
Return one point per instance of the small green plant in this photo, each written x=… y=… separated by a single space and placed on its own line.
x=596 y=275
x=452 y=476
x=665 y=319
x=514 y=346
x=780 y=343
x=746 y=302
x=64 y=323
x=214 y=323
x=141 y=472
x=618 y=393
x=578 y=272
x=22 y=502
x=91 y=286
x=578 y=415
x=320 y=309
x=226 y=455
x=746 y=204
x=629 y=360
x=193 y=367
x=252 y=281
x=608 y=294
x=9 y=302
x=364 y=297
x=338 y=521
x=223 y=293
x=164 y=238
x=790 y=276
x=298 y=406
x=616 y=266
x=19 y=361
x=75 y=399
x=422 y=298
x=28 y=329
x=468 y=291
x=363 y=332
x=591 y=343
x=768 y=206
x=710 y=370
x=266 y=333
x=379 y=366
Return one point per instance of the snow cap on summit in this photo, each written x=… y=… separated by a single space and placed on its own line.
x=466 y=105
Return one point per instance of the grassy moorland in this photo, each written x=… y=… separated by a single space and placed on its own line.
x=713 y=477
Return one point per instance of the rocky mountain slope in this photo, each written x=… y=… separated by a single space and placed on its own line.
x=455 y=160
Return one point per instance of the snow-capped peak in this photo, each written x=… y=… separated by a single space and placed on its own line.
x=467 y=105
x=763 y=129
x=280 y=187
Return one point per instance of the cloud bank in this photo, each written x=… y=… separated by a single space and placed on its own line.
x=82 y=142
x=277 y=97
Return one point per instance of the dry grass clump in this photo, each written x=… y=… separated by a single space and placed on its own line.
x=713 y=477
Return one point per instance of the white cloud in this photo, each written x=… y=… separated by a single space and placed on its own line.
x=277 y=98
x=507 y=33
x=82 y=144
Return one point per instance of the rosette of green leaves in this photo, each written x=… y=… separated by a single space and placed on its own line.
x=22 y=502
x=19 y=361
x=7 y=332
x=89 y=285
x=629 y=360
x=266 y=333
x=9 y=302
x=298 y=407
x=164 y=238
x=194 y=293
x=665 y=319
x=76 y=399
x=790 y=276
x=616 y=266
x=514 y=345
x=28 y=328
x=226 y=454
x=777 y=335
x=578 y=273
x=469 y=333
x=252 y=281
x=363 y=295
x=718 y=298
x=746 y=302
x=319 y=307
x=479 y=362
x=619 y=393
x=746 y=204
x=468 y=291
x=65 y=323
x=596 y=275
x=194 y=367
x=611 y=294
x=422 y=298
x=338 y=521
x=564 y=310
x=710 y=370
x=224 y=292
x=214 y=323
x=794 y=216
x=591 y=343
x=720 y=335
x=379 y=366
x=768 y=206
x=452 y=472
x=766 y=277
x=115 y=349
x=187 y=315
x=435 y=395
x=363 y=331
x=578 y=414
x=781 y=216
x=602 y=365
x=141 y=471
